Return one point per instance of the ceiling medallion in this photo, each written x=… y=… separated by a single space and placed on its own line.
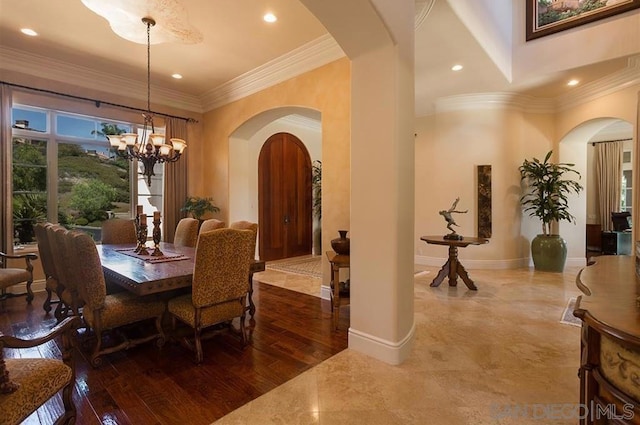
x=172 y=23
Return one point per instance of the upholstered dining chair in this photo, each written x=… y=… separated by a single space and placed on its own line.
x=104 y=312
x=46 y=258
x=219 y=286
x=59 y=240
x=27 y=383
x=186 y=232
x=211 y=224
x=118 y=231
x=247 y=225
x=11 y=276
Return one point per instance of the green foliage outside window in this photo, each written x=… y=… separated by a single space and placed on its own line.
x=92 y=199
x=29 y=166
x=29 y=186
x=28 y=209
x=109 y=129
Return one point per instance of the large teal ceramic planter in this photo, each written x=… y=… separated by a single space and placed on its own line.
x=549 y=253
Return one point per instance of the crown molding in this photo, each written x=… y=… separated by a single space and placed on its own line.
x=425 y=8
x=63 y=72
x=312 y=55
x=504 y=100
x=604 y=86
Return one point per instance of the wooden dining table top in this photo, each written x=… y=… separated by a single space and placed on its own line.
x=149 y=277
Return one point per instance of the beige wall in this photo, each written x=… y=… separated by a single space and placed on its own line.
x=605 y=39
x=450 y=144
x=325 y=89
x=449 y=147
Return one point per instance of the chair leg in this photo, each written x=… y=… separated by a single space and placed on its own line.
x=96 y=360
x=161 y=338
x=29 y=291
x=47 y=302
x=198 y=344
x=243 y=329
x=70 y=413
x=58 y=313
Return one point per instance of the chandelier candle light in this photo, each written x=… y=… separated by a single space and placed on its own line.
x=151 y=148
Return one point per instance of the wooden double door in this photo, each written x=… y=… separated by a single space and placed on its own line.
x=284 y=198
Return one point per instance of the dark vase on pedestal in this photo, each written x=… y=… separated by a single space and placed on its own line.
x=341 y=245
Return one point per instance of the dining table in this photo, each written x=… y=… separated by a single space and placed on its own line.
x=154 y=274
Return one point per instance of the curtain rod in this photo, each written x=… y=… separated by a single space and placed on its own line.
x=611 y=141
x=98 y=102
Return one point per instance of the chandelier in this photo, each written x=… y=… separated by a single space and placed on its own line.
x=150 y=148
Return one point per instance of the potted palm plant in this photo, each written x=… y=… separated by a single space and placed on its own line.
x=316 y=184
x=546 y=193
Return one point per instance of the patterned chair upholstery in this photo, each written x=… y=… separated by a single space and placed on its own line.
x=247 y=225
x=10 y=276
x=219 y=287
x=211 y=224
x=59 y=240
x=26 y=383
x=46 y=258
x=119 y=231
x=186 y=232
x=104 y=312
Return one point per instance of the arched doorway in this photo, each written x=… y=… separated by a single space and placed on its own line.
x=284 y=198
x=578 y=147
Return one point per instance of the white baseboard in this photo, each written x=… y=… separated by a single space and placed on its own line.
x=516 y=263
x=387 y=351
x=325 y=292
x=576 y=262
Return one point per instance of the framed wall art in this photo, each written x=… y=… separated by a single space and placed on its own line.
x=484 y=200
x=545 y=17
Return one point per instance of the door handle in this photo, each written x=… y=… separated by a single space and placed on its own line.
x=286 y=219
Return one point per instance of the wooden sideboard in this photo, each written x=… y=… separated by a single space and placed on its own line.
x=610 y=341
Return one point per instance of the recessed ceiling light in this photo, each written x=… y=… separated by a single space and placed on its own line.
x=28 y=31
x=177 y=76
x=573 y=82
x=270 y=17
x=456 y=67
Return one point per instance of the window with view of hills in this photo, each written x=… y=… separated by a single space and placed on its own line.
x=65 y=172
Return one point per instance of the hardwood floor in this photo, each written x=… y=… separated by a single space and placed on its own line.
x=291 y=332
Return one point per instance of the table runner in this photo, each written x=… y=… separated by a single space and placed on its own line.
x=166 y=255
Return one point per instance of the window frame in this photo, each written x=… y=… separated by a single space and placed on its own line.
x=53 y=140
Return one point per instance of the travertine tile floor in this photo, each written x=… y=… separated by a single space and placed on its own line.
x=495 y=356
x=294 y=282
